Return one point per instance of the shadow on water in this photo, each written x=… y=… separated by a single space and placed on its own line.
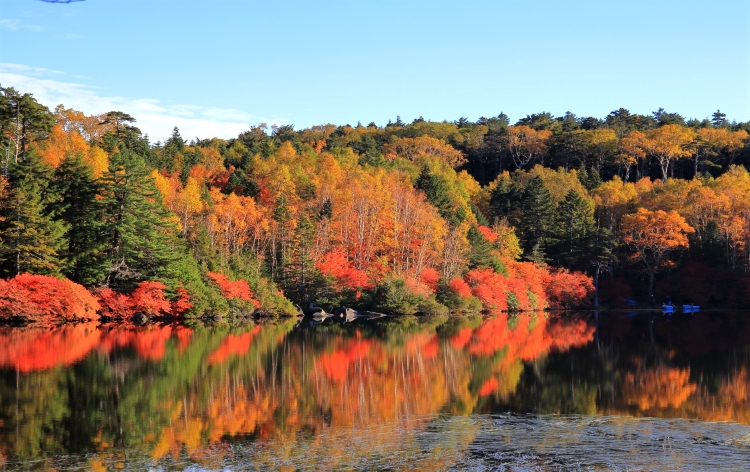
x=532 y=390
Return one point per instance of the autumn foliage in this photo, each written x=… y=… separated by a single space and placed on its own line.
x=231 y=290
x=45 y=299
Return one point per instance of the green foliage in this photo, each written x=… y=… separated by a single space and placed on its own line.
x=537 y=216
x=142 y=240
x=31 y=239
x=79 y=206
x=393 y=296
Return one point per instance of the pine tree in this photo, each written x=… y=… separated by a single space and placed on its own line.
x=141 y=237
x=79 y=206
x=574 y=222
x=537 y=215
x=436 y=191
x=31 y=239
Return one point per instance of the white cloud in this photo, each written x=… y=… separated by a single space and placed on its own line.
x=13 y=24
x=153 y=117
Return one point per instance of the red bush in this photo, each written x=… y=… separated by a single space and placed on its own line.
x=148 y=298
x=45 y=299
x=460 y=287
x=568 y=289
x=430 y=278
x=489 y=287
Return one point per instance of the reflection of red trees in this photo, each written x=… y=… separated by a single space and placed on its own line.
x=39 y=349
x=425 y=343
x=45 y=299
x=233 y=346
x=569 y=333
x=149 y=342
x=336 y=364
x=489 y=387
x=661 y=387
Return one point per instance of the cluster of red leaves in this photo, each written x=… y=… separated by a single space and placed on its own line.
x=233 y=346
x=430 y=278
x=488 y=234
x=147 y=298
x=567 y=289
x=233 y=289
x=336 y=265
x=460 y=287
x=45 y=299
x=489 y=287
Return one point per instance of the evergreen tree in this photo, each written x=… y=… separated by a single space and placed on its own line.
x=480 y=252
x=301 y=275
x=279 y=259
x=31 y=239
x=141 y=237
x=79 y=206
x=536 y=216
x=436 y=191
x=574 y=222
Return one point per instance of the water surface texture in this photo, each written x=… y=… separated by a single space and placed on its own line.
x=586 y=391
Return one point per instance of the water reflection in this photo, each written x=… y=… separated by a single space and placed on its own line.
x=369 y=392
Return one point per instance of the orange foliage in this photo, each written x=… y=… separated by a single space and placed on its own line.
x=45 y=299
x=148 y=298
x=661 y=387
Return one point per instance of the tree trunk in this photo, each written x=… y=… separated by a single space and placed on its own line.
x=650 y=285
x=596 y=286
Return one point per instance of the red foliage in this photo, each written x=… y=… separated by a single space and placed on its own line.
x=460 y=287
x=336 y=265
x=568 y=289
x=231 y=290
x=462 y=338
x=418 y=288
x=113 y=304
x=489 y=287
x=182 y=303
x=45 y=299
x=148 y=298
x=233 y=346
x=488 y=234
x=430 y=278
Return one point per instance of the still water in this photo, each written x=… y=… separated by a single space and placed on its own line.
x=538 y=391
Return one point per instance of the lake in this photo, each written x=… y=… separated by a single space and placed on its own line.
x=534 y=391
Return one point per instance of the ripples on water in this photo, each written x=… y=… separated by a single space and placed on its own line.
x=531 y=393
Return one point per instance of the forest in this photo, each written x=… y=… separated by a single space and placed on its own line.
x=410 y=218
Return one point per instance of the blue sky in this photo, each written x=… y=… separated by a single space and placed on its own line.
x=215 y=67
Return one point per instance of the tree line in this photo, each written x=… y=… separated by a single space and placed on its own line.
x=418 y=217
